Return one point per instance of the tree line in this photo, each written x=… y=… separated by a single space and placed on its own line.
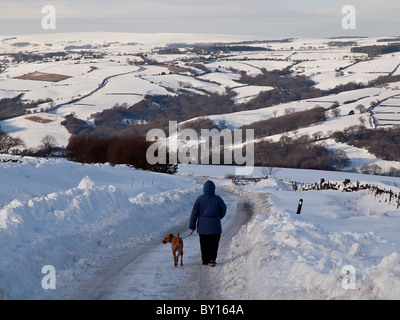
x=14 y=107
x=377 y=50
x=289 y=122
x=299 y=153
x=382 y=142
x=115 y=150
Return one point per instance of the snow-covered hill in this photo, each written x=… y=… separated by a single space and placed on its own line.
x=105 y=69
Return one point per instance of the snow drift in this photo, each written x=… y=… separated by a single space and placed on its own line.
x=71 y=229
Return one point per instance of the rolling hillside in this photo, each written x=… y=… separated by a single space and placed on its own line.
x=85 y=74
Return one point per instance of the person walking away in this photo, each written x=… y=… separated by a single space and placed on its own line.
x=207 y=212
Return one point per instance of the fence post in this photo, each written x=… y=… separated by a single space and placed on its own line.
x=299 y=206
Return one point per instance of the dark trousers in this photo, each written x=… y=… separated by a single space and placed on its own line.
x=209 y=247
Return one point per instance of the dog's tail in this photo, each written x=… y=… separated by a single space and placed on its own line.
x=179 y=240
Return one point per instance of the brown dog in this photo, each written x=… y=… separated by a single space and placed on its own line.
x=176 y=246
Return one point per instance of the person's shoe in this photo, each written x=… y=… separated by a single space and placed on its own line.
x=212 y=263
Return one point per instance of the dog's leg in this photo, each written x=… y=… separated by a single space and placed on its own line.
x=175 y=259
x=181 y=258
x=179 y=254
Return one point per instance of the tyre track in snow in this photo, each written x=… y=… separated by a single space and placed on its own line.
x=147 y=271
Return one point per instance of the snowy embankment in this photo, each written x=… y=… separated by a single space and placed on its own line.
x=74 y=216
x=284 y=255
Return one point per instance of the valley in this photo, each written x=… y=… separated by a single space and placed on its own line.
x=157 y=78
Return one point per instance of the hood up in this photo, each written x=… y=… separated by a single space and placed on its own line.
x=209 y=187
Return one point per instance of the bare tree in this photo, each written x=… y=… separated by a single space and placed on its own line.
x=371 y=169
x=340 y=158
x=339 y=74
x=48 y=144
x=336 y=112
x=290 y=110
x=52 y=104
x=7 y=143
x=269 y=171
x=360 y=108
x=317 y=135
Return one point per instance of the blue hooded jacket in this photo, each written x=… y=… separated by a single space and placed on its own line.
x=207 y=212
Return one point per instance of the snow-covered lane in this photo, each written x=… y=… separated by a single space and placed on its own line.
x=147 y=271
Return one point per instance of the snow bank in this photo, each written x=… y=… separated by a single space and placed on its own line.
x=74 y=228
x=283 y=255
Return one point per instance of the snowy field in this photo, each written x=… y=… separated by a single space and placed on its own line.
x=78 y=218
x=116 y=72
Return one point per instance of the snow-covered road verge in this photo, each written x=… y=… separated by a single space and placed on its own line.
x=284 y=255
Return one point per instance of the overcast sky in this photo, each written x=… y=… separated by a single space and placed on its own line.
x=264 y=18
